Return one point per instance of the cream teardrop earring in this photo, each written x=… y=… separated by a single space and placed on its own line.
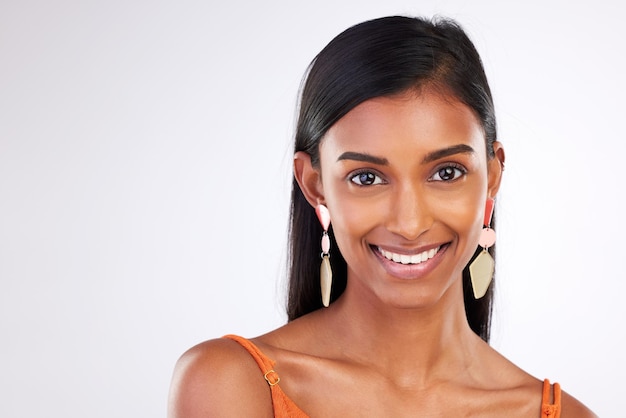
x=482 y=268
x=326 y=274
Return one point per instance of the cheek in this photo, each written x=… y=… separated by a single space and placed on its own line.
x=351 y=222
x=463 y=217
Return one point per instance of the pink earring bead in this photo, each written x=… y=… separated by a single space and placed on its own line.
x=487 y=238
x=325 y=243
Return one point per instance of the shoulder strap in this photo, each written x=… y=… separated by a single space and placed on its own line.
x=551 y=403
x=265 y=363
x=283 y=406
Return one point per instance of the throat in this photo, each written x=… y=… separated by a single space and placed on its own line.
x=411 y=341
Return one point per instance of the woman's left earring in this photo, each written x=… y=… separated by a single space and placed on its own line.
x=326 y=274
x=482 y=268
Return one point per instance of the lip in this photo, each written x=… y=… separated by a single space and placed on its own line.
x=410 y=271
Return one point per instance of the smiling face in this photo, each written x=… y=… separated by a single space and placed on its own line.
x=405 y=179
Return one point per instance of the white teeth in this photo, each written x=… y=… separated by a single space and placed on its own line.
x=409 y=259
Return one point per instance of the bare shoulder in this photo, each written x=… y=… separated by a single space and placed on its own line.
x=213 y=379
x=573 y=408
x=528 y=386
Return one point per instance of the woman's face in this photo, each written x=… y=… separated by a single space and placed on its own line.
x=405 y=179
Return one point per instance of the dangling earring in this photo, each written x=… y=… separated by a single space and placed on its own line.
x=482 y=268
x=326 y=274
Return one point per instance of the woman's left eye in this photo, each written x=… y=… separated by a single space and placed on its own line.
x=366 y=178
x=448 y=173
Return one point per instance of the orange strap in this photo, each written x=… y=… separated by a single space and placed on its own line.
x=265 y=364
x=283 y=406
x=551 y=409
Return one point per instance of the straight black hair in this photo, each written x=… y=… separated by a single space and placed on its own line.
x=381 y=57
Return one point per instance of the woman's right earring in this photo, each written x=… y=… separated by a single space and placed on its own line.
x=326 y=274
x=482 y=268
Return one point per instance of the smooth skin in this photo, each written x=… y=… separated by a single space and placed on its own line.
x=405 y=174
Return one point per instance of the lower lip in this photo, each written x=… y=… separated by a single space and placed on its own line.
x=411 y=271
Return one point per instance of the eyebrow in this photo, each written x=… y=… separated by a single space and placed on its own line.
x=358 y=156
x=446 y=152
x=433 y=156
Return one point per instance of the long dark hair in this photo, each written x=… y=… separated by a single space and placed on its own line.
x=380 y=57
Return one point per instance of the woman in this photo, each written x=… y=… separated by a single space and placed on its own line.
x=396 y=166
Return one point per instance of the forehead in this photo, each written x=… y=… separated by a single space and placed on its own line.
x=419 y=122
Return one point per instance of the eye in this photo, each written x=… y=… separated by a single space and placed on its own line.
x=448 y=173
x=366 y=178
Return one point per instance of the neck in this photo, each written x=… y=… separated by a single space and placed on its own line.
x=414 y=345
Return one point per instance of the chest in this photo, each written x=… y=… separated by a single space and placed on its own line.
x=359 y=396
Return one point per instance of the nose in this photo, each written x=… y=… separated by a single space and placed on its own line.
x=408 y=214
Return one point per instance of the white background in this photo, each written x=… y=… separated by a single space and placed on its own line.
x=145 y=151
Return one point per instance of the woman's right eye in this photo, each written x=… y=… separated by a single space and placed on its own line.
x=366 y=178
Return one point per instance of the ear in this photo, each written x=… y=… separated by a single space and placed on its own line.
x=309 y=178
x=495 y=169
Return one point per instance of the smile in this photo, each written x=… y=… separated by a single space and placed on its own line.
x=409 y=259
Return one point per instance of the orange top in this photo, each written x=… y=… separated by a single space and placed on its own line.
x=286 y=408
